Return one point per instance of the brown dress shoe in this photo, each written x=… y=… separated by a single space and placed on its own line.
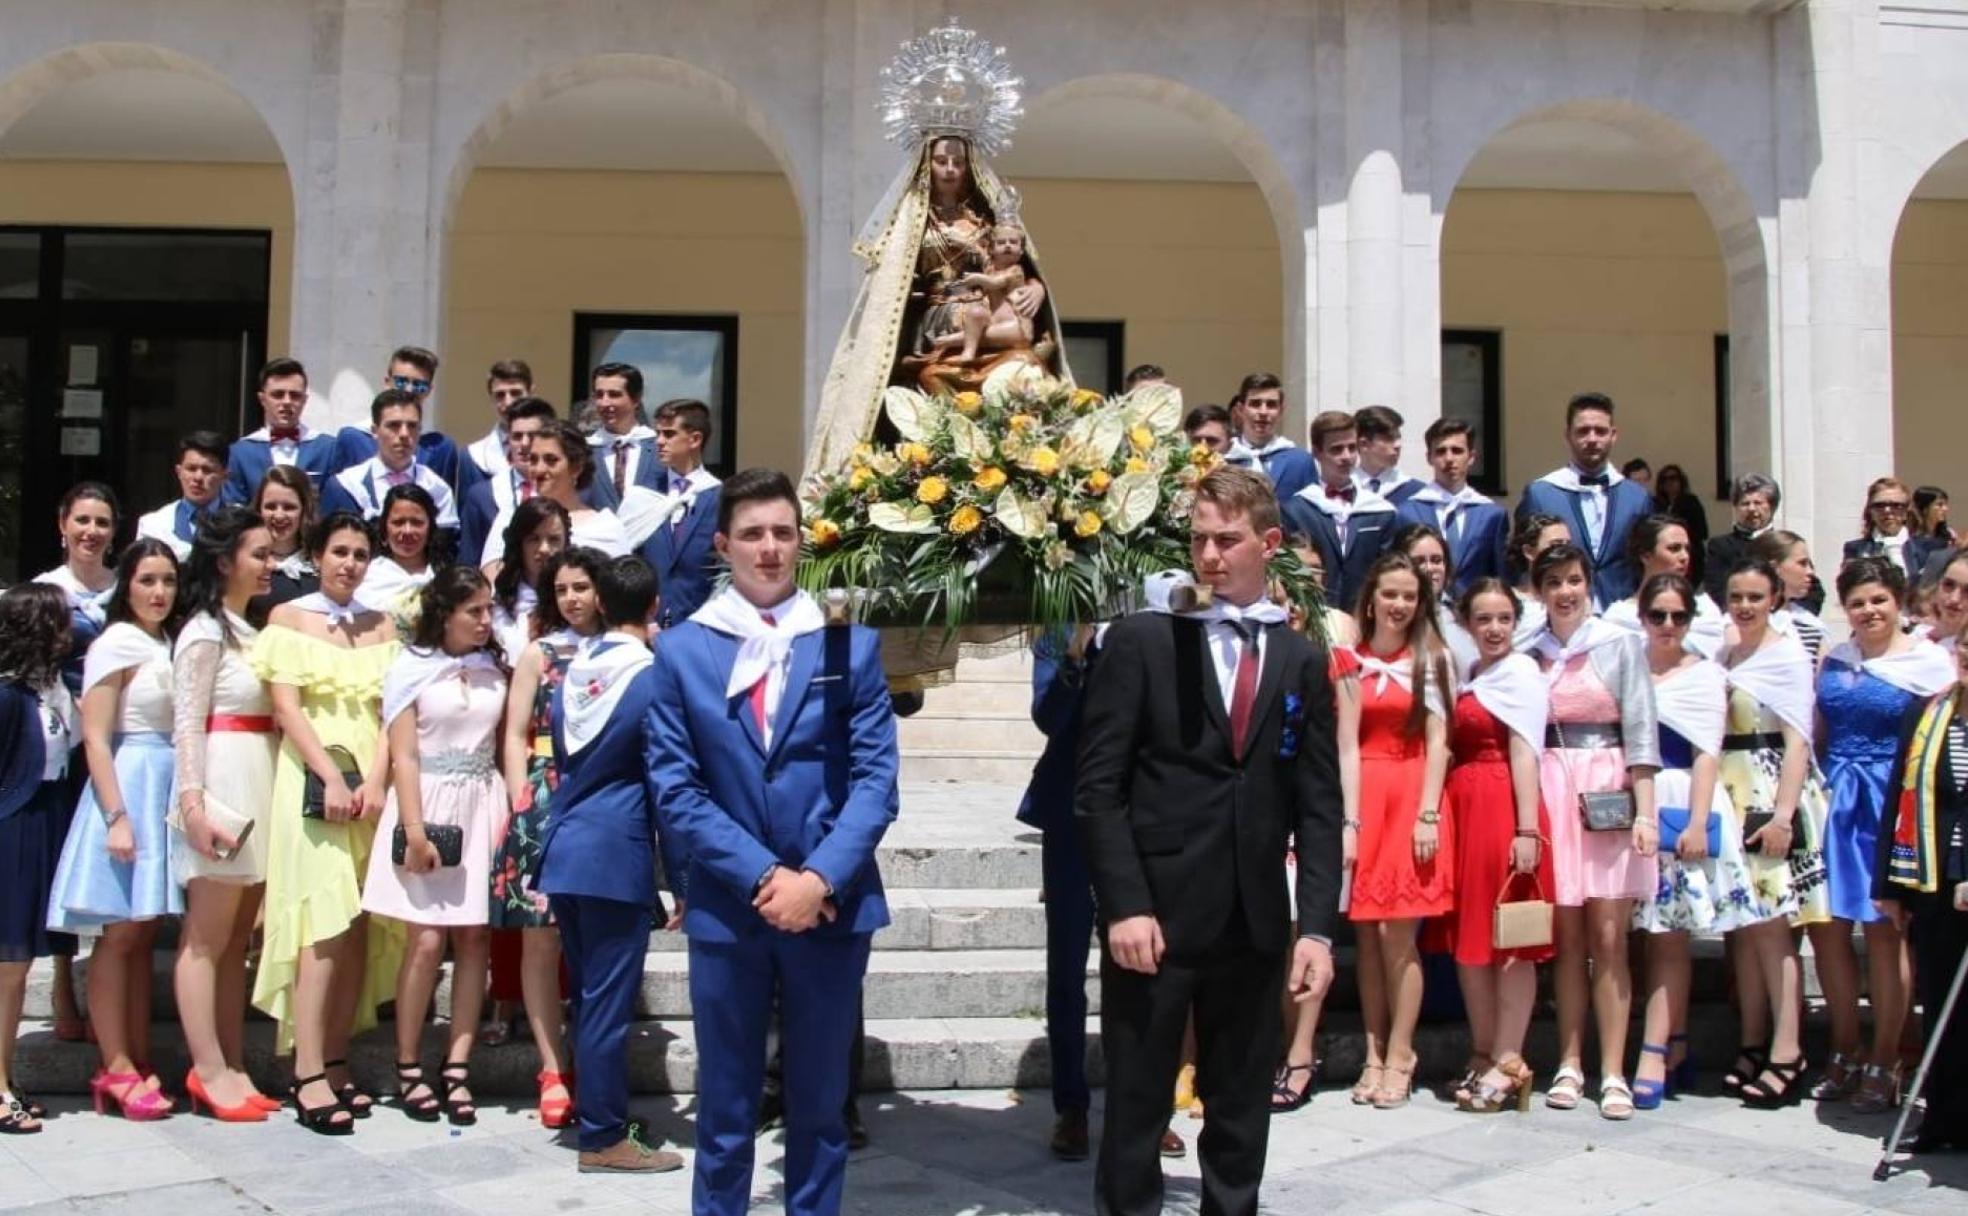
x=1069 y=1136
x=629 y=1156
x=1172 y=1145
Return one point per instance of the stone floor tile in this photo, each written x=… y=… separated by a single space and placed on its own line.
x=137 y=1169
x=1746 y=1195
x=1939 y=1185
x=72 y=1130
x=211 y=1197
x=545 y=1189
x=1584 y=1184
x=21 y=1187
x=330 y=1182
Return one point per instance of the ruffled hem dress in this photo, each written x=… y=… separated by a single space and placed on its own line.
x=1486 y=831
x=1388 y=883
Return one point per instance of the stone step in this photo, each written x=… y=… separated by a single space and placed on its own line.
x=1012 y=667
x=933 y=730
x=968 y=765
x=980 y=696
x=902 y=984
x=943 y=919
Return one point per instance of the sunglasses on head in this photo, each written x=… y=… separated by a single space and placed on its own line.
x=407 y=384
x=1661 y=616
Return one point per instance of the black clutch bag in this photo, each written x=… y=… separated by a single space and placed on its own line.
x=448 y=837
x=314 y=794
x=1607 y=811
x=1756 y=821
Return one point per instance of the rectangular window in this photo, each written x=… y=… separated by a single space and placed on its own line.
x=180 y=267
x=1472 y=390
x=1095 y=350
x=679 y=356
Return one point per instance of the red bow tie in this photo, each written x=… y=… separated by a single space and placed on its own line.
x=1344 y=493
x=284 y=434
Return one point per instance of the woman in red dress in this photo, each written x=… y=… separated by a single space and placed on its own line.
x=1495 y=735
x=1403 y=871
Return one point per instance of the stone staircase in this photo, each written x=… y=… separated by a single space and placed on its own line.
x=977 y=728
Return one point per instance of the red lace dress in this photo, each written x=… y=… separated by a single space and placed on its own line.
x=1486 y=826
x=1388 y=884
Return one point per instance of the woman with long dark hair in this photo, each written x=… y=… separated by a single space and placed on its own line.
x=222 y=732
x=1673 y=497
x=286 y=502
x=561 y=465
x=411 y=553
x=115 y=881
x=37 y=731
x=538 y=530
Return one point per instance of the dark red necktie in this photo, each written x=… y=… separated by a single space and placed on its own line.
x=621 y=467
x=1243 y=688
x=758 y=689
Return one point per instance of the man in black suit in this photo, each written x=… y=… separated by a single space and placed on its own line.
x=1207 y=745
x=1755 y=497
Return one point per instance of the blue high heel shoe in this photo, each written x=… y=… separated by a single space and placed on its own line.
x=1647 y=1094
x=1682 y=1077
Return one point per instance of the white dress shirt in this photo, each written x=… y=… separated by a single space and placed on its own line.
x=605 y=442
x=1226 y=648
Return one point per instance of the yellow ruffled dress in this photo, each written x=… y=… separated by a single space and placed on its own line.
x=315 y=868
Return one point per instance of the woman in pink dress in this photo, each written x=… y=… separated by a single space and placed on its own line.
x=1403 y=872
x=1602 y=739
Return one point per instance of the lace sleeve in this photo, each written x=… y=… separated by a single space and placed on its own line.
x=194 y=675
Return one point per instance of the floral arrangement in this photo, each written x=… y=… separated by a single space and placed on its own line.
x=1053 y=503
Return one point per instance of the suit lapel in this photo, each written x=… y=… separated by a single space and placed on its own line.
x=799 y=677
x=1193 y=647
x=723 y=653
x=1267 y=687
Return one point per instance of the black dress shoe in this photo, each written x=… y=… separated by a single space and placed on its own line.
x=1069 y=1136
x=1172 y=1145
x=1932 y=1138
x=772 y=1113
x=906 y=704
x=857 y=1131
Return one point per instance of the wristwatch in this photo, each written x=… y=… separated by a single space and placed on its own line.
x=110 y=817
x=1430 y=816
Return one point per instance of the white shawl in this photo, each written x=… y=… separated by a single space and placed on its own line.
x=596 y=680
x=1779 y=676
x=1693 y=702
x=1513 y=690
x=415 y=669
x=1923 y=669
x=121 y=646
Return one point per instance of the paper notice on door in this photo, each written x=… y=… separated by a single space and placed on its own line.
x=81 y=365
x=81 y=441
x=82 y=403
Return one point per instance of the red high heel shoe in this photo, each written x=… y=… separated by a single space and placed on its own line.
x=245 y=1112
x=555 y=1113
x=125 y=1090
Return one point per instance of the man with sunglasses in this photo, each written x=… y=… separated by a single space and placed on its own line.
x=283 y=394
x=1889 y=507
x=412 y=370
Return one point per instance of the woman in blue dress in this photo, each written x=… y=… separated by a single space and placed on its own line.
x=114 y=880
x=1864 y=689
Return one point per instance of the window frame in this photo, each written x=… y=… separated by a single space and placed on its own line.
x=724 y=413
x=1114 y=334
x=1492 y=438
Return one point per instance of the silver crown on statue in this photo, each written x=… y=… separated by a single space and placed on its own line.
x=951 y=82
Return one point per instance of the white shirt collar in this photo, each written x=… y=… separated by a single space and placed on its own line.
x=605 y=438
x=1467 y=496
x=265 y=434
x=1277 y=443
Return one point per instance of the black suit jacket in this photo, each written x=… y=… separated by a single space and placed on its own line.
x=1913 y=557
x=1176 y=826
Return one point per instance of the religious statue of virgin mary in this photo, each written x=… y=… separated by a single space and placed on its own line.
x=951 y=290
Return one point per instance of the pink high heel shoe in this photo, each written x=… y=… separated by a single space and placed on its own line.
x=123 y=1089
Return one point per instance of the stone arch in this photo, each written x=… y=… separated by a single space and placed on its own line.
x=1928 y=301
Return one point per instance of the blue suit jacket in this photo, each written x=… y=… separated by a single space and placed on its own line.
x=478 y=510
x=1058 y=691
x=1483 y=549
x=650 y=471
x=601 y=839
x=1368 y=532
x=1614 y=576
x=684 y=559
x=435 y=451
x=819 y=798
x=1291 y=470
x=249 y=459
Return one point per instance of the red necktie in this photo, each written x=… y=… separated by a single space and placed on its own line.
x=758 y=689
x=621 y=467
x=1243 y=691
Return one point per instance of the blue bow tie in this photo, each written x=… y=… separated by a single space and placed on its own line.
x=1601 y=480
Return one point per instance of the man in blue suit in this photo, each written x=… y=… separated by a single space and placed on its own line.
x=598 y=861
x=1378 y=428
x=772 y=760
x=624 y=449
x=1598 y=503
x=1259 y=409
x=283 y=393
x=680 y=548
x=1347 y=524
x=1477 y=529
x=200 y=471
x=396 y=418
x=413 y=370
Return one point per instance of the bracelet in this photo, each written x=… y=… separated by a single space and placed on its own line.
x=1529 y=834
x=110 y=817
x=1350 y=823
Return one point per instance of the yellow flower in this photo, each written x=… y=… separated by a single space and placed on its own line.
x=915 y=453
x=1020 y=422
x=1202 y=457
x=932 y=490
x=965 y=520
x=1136 y=464
x=1044 y=461
x=1141 y=439
x=1087 y=524
x=1098 y=481
x=823 y=532
x=969 y=403
x=862 y=451
x=1086 y=398
x=860 y=477
x=1057 y=555
x=989 y=478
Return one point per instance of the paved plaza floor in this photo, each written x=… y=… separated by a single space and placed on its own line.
x=958 y=1153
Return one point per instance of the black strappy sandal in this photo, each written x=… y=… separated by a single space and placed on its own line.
x=330 y=1120
x=1749 y=1065
x=33 y=1108
x=1284 y=1099
x=357 y=1101
x=462 y=1112
x=1789 y=1087
x=409 y=1078
x=16 y=1117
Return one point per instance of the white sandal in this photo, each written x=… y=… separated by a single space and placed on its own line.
x=1567 y=1088
x=1615 y=1099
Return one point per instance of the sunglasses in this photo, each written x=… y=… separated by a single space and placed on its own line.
x=1661 y=616
x=406 y=384
x=1887 y=506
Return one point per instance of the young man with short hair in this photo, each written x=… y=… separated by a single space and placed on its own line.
x=412 y=370
x=509 y=382
x=772 y=762
x=282 y=439
x=680 y=548
x=625 y=449
x=1477 y=529
x=1260 y=414
x=1596 y=501
x=201 y=471
x=598 y=859
x=495 y=497
x=1210 y=426
x=1379 y=430
x=1145 y=373
x=396 y=419
x=1347 y=524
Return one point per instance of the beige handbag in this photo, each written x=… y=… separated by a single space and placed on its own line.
x=1521 y=924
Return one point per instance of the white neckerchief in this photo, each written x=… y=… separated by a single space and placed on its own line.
x=318 y=603
x=1224 y=626
x=90 y=604
x=1693 y=702
x=295 y=565
x=1591 y=634
x=677 y=504
x=488 y=452
x=386 y=581
x=1400 y=670
x=121 y=646
x=265 y=435
x=1451 y=506
x=1514 y=692
x=1593 y=500
x=1277 y=443
x=1778 y=675
x=762 y=649
x=606 y=439
x=1242 y=455
x=415 y=669
x=1338 y=508
x=596 y=679
x=1924 y=669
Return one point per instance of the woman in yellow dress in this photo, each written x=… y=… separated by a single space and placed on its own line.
x=325 y=967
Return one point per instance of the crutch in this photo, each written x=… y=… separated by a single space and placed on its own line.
x=1880 y=1171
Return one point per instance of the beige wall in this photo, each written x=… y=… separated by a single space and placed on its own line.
x=142 y=193
x=533 y=247
x=1192 y=268
x=1930 y=346
x=1622 y=293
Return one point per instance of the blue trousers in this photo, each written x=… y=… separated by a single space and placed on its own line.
x=1069 y=931
x=818 y=982
x=603 y=941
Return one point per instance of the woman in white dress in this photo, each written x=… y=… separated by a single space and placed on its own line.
x=537 y=531
x=223 y=734
x=562 y=465
x=407 y=530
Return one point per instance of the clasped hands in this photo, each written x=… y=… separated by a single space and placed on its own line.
x=794 y=901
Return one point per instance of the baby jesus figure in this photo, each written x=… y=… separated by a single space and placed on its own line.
x=989 y=322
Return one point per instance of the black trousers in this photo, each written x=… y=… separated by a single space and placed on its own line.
x=1234 y=991
x=1939 y=938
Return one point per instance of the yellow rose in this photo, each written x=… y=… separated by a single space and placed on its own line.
x=1136 y=464
x=1141 y=439
x=1202 y=457
x=1098 y=481
x=915 y=453
x=1087 y=524
x=965 y=520
x=989 y=478
x=1086 y=398
x=932 y=490
x=1044 y=461
x=860 y=477
x=823 y=532
x=968 y=403
x=863 y=451
x=1021 y=422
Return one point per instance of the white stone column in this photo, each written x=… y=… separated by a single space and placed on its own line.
x=1374 y=274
